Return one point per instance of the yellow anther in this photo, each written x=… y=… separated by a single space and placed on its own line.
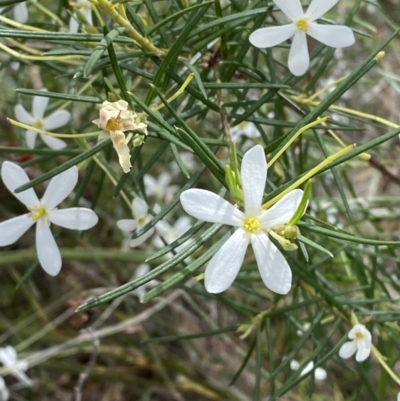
x=302 y=24
x=38 y=124
x=252 y=225
x=113 y=124
x=38 y=213
x=359 y=336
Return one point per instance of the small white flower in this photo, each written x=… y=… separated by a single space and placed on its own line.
x=141 y=291
x=188 y=161
x=398 y=397
x=172 y=233
x=140 y=210
x=302 y=24
x=54 y=120
x=4 y=393
x=361 y=343
x=159 y=187
x=319 y=373
x=8 y=357
x=246 y=129
x=43 y=212
x=252 y=226
x=115 y=119
x=85 y=9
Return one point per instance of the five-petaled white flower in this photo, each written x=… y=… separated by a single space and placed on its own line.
x=8 y=357
x=4 y=393
x=140 y=210
x=252 y=226
x=85 y=9
x=54 y=120
x=43 y=212
x=361 y=343
x=302 y=24
x=160 y=187
x=115 y=119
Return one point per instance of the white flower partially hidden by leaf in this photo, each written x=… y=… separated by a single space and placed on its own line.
x=141 y=271
x=8 y=357
x=246 y=129
x=360 y=344
x=84 y=7
x=4 y=393
x=43 y=212
x=116 y=118
x=171 y=233
x=303 y=24
x=140 y=210
x=36 y=119
x=160 y=187
x=319 y=373
x=252 y=227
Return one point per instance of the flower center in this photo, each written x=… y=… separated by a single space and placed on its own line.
x=252 y=225
x=359 y=336
x=38 y=124
x=113 y=124
x=38 y=213
x=302 y=24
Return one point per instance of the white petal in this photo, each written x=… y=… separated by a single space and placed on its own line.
x=142 y=269
x=39 y=105
x=332 y=35
x=140 y=208
x=127 y=225
x=60 y=187
x=22 y=115
x=308 y=368
x=299 y=59
x=21 y=13
x=182 y=225
x=53 y=143
x=292 y=8
x=48 y=253
x=163 y=228
x=8 y=355
x=56 y=119
x=13 y=177
x=348 y=349
x=87 y=13
x=140 y=240
x=320 y=374
x=224 y=266
x=4 y=393
x=12 y=230
x=358 y=328
x=318 y=8
x=294 y=365
x=207 y=206
x=30 y=138
x=273 y=267
x=271 y=36
x=73 y=24
x=74 y=218
x=282 y=211
x=363 y=350
x=254 y=176
x=150 y=184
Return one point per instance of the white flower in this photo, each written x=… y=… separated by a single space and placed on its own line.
x=4 y=393
x=252 y=226
x=302 y=24
x=361 y=343
x=398 y=397
x=140 y=210
x=8 y=357
x=54 y=120
x=319 y=373
x=20 y=14
x=141 y=291
x=244 y=129
x=115 y=119
x=43 y=212
x=85 y=9
x=172 y=233
x=159 y=187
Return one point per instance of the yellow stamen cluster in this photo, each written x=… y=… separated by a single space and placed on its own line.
x=252 y=225
x=359 y=336
x=302 y=24
x=38 y=124
x=38 y=213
